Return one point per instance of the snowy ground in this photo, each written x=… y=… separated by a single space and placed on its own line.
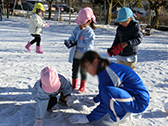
x=20 y=69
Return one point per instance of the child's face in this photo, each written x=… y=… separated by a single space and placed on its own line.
x=91 y=68
x=126 y=23
x=84 y=25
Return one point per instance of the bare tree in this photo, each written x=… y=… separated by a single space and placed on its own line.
x=156 y=5
x=50 y=6
x=70 y=6
x=109 y=12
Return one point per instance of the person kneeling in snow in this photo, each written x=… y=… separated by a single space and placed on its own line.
x=121 y=91
x=45 y=91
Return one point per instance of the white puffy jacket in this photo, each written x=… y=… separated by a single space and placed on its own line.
x=36 y=24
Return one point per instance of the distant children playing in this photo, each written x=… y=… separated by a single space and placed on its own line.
x=128 y=37
x=121 y=91
x=81 y=40
x=45 y=91
x=35 y=27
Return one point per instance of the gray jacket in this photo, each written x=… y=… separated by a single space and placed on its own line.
x=42 y=98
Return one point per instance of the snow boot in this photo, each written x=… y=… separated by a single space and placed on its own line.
x=38 y=49
x=74 y=83
x=82 y=86
x=28 y=46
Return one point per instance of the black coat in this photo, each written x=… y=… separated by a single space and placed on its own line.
x=132 y=35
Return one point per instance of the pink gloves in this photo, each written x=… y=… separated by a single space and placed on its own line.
x=115 y=50
x=46 y=25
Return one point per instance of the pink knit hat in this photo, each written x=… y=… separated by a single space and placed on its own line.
x=50 y=80
x=84 y=15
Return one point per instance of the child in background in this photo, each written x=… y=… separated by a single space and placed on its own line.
x=35 y=27
x=81 y=40
x=127 y=39
x=121 y=91
x=45 y=91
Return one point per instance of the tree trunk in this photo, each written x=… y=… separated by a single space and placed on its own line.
x=50 y=3
x=109 y=12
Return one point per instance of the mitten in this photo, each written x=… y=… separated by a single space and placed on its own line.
x=115 y=50
x=69 y=43
x=38 y=123
x=69 y=100
x=78 y=119
x=46 y=25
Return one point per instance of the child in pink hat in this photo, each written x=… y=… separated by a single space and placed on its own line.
x=45 y=91
x=81 y=40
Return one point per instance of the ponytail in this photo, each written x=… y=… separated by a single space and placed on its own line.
x=90 y=56
x=92 y=25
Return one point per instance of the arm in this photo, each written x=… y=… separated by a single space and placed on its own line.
x=88 y=37
x=97 y=113
x=42 y=103
x=137 y=37
x=38 y=21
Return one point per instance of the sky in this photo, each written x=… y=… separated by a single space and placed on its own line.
x=20 y=69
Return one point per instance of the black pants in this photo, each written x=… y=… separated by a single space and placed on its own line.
x=52 y=102
x=37 y=38
x=75 y=68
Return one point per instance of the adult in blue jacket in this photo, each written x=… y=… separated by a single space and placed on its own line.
x=121 y=90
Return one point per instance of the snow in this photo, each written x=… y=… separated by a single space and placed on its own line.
x=20 y=69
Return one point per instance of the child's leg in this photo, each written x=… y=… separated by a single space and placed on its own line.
x=83 y=80
x=37 y=39
x=75 y=68
x=119 y=102
x=51 y=103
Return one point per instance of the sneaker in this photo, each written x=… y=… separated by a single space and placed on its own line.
x=126 y=118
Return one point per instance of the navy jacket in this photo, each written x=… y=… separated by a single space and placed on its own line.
x=132 y=35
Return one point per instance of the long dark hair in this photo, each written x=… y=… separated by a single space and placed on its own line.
x=92 y=24
x=90 y=56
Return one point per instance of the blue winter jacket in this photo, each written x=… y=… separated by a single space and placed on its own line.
x=42 y=98
x=132 y=35
x=121 y=76
x=82 y=46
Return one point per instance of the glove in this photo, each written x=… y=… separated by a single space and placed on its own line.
x=82 y=38
x=38 y=123
x=69 y=100
x=69 y=43
x=78 y=119
x=46 y=25
x=89 y=100
x=115 y=50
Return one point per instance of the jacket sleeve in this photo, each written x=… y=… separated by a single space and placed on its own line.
x=73 y=35
x=137 y=36
x=42 y=103
x=89 y=36
x=66 y=87
x=38 y=21
x=97 y=113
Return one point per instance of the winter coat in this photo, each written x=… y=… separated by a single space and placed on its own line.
x=42 y=98
x=120 y=76
x=82 y=46
x=36 y=24
x=132 y=35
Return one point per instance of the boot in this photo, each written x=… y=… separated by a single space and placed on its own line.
x=74 y=83
x=38 y=49
x=82 y=86
x=28 y=46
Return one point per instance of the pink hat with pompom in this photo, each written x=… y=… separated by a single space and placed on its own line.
x=84 y=15
x=50 y=80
